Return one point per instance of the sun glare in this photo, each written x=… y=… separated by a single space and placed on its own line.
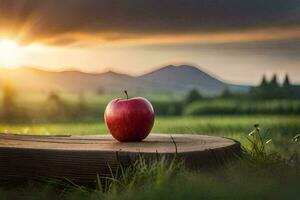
x=9 y=52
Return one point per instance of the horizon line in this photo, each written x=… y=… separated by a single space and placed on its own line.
x=108 y=70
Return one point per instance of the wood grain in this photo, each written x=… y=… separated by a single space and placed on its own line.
x=81 y=158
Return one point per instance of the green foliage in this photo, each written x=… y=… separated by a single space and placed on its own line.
x=264 y=81
x=193 y=96
x=227 y=94
x=286 y=82
x=231 y=106
x=274 y=82
x=142 y=172
x=56 y=107
x=165 y=108
x=64 y=107
x=257 y=152
x=272 y=89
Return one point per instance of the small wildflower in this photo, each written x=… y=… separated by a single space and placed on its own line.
x=296 y=137
x=251 y=133
x=267 y=142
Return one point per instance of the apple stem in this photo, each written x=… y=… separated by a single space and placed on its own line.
x=126 y=93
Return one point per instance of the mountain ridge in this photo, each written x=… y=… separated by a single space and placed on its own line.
x=170 y=78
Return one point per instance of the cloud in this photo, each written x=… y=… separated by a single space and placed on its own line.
x=68 y=21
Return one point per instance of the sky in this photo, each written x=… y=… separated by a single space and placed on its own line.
x=237 y=41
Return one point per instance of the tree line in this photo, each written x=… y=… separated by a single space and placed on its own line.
x=57 y=109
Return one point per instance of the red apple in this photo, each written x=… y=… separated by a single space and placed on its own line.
x=129 y=120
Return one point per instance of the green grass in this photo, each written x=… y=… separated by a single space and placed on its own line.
x=279 y=126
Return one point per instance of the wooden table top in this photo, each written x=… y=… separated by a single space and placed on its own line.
x=164 y=143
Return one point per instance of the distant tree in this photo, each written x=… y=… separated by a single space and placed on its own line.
x=264 y=81
x=174 y=109
x=192 y=96
x=56 y=109
x=258 y=91
x=100 y=91
x=53 y=96
x=9 y=105
x=287 y=91
x=226 y=93
x=274 y=82
x=266 y=90
x=286 y=82
x=273 y=90
x=81 y=103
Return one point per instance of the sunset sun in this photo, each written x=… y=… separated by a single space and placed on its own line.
x=10 y=50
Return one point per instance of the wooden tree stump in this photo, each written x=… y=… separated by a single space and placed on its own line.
x=81 y=158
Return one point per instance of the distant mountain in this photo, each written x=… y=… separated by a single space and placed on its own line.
x=72 y=81
x=183 y=78
x=166 y=79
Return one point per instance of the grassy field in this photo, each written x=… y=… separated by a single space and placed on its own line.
x=280 y=128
